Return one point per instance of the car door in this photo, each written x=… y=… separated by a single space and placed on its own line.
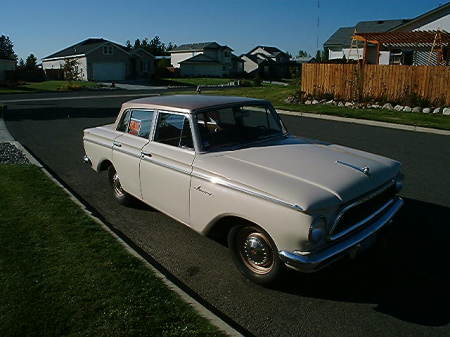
x=135 y=127
x=166 y=165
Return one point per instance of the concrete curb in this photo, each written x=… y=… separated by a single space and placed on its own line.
x=198 y=307
x=365 y=122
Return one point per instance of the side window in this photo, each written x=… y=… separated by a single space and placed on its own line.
x=123 y=124
x=137 y=123
x=173 y=130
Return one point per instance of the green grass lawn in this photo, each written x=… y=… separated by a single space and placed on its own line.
x=49 y=86
x=277 y=95
x=196 y=81
x=62 y=275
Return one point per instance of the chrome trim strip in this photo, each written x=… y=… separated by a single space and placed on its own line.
x=132 y=154
x=364 y=170
x=362 y=222
x=358 y=202
x=235 y=187
x=162 y=164
x=315 y=261
x=107 y=144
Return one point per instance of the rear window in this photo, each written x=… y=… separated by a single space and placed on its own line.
x=137 y=123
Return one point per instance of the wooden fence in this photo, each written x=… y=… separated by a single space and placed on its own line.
x=380 y=82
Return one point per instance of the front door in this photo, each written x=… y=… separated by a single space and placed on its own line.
x=166 y=166
x=135 y=128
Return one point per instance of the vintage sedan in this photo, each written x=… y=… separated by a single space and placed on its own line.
x=228 y=168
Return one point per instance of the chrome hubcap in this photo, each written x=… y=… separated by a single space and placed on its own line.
x=117 y=186
x=256 y=252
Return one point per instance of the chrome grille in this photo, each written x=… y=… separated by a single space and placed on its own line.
x=357 y=214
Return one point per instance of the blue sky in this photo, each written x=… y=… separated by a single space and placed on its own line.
x=43 y=27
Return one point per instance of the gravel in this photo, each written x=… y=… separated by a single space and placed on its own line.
x=9 y=154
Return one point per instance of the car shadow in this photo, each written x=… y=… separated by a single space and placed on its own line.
x=406 y=274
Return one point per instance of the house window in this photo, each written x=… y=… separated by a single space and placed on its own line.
x=107 y=50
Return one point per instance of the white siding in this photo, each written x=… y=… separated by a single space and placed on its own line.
x=261 y=51
x=441 y=23
x=59 y=64
x=249 y=65
x=350 y=54
x=6 y=65
x=176 y=58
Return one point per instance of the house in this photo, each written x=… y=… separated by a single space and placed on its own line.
x=103 y=60
x=204 y=59
x=339 y=44
x=268 y=62
x=6 y=65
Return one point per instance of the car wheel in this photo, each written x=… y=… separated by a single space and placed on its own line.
x=119 y=194
x=255 y=254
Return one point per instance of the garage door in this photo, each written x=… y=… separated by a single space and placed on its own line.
x=109 y=71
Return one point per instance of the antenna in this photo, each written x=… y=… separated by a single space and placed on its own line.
x=318 y=25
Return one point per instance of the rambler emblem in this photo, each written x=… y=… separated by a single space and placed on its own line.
x=199 y=188
x=365 y=170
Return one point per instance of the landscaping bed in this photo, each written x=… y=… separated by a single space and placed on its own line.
x=278 y=96
x=61 y=274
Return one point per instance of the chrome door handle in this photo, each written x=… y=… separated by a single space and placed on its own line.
x=117 y=144
x=147 y=154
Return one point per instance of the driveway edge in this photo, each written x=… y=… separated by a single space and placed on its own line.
x=365 y=122
x=5 y=137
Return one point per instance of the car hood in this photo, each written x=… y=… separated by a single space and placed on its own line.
x=308 y=173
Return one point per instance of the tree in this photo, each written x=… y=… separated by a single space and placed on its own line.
x=128 y=44
x=31 y=62
x=137 y=44
x=6 y=48
x=321 y=56
x=302 y=53
x=72 y=71
x=21 y=65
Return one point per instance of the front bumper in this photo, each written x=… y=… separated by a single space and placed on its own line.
x=315 y=261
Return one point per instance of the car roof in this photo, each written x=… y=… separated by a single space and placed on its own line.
x=189 y=103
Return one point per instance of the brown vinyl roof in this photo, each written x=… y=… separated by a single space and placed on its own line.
x=189 y=103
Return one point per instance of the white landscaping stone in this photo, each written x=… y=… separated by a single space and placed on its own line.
x=315 y=102
x=407 y=109
x=340 y=104
x=329 y=102
x=437 y=110
x=308 y=102
x=417 y=109
x=446 y=111
x=376 y=106
x=347 y=104
x=388 y=106
x=426 y=110
x=398 y=108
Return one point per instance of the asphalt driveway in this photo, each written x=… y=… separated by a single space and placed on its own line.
x=400 y=288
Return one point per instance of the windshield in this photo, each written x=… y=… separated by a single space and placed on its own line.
x=238 y=125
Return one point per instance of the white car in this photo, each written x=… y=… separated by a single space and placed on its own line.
x=227 y=168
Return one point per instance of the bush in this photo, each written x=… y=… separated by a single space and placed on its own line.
x=246 y=83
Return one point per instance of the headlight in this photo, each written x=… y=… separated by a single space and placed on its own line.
x=317 y=230
x=399 y=182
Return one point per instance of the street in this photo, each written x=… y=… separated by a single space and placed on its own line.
x=400 y=288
